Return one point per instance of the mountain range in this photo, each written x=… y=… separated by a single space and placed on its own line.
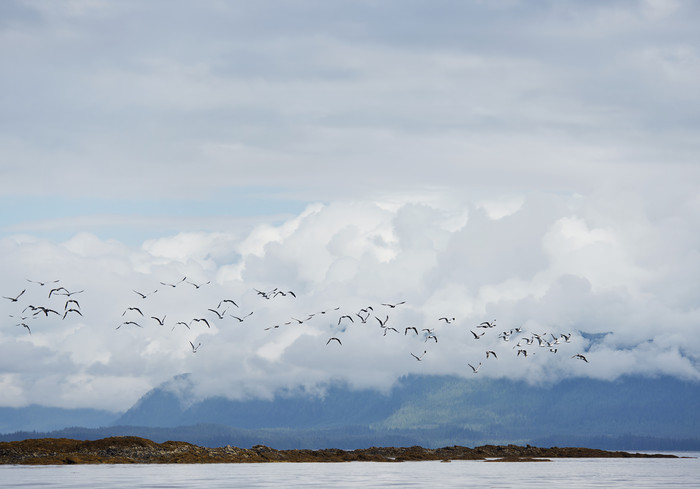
x=431 y=411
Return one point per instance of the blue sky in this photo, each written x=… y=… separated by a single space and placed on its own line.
x=534 y=162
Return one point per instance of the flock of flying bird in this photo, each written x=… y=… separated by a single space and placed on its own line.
x=370 y=316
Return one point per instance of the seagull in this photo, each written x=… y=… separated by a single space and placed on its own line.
x=196 y=286
x=175 y=284
x=160 y=321
x=129 y=322
x=219 y=314
x=284 y=294
x=477 y=336
x=394 y=305
x=197 y=320
x=447 y=320
x=132 y=309
x=227 y=300
x=181 y=322
x=334 y=338
x=427 y=337
x=567 y=337
x=345 y=316
x=381 y=323
x=505 y=335
x=491 y=352
x=143 y=296
x=71 y=310
x=580 y=357
x=71 y=301
x=524 y=352
x=410 y=327
x=475 y=369
x=487 y=324
x=68 y=294
x=45 y=310
x=419 y=358
x=57 y=290
x=240 y=320
x=14 y=299
x=390 y=328
x=41 y=284
x=194 y=348
x=26 y=326
x=363 y=319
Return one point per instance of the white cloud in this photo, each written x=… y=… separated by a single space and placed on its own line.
x=548 y=273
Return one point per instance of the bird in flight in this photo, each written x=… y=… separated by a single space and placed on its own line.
x=332 y=339
x=227 y=300
x=41 y=284
x=143 y=296
x=580 y=357
x=160 y=321
x=240 y=320
x=26 y=326
x=345 y=316
x=175 y=284
x=57 y=290
x=491 y=352
x=475 y=369
x=132 y=309
x=220 y=315
x=45 y=310
x=14 y=299
x=284 y=294
x=197 y=320
x=394 y=305
x=196 y=286
x=487 y=324
x=447 y=320
x=405 y=332
x=195 y=348
x=71 y=310
x=419 y=358
x=477 y=336
x=129 y=322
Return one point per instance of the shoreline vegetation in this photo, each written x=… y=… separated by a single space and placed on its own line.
x=136 y=450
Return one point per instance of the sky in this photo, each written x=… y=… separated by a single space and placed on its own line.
x=532 y=163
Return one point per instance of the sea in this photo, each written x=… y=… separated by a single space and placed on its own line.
x=637 y=473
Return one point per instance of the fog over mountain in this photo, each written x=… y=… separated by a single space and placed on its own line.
x=529 y=162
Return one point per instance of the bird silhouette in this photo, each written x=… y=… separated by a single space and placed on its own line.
x=419 y=358
x=14 y=299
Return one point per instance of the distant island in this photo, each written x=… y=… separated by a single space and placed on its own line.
x=136 y=450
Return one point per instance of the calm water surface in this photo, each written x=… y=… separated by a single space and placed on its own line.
x=569 y=473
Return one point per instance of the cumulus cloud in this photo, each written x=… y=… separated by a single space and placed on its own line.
x=553 y=272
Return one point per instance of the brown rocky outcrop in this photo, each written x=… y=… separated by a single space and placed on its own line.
x=135 y=450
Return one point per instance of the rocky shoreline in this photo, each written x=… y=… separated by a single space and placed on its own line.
x=135 y=450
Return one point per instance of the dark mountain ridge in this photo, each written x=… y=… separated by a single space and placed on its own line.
x=430 y=411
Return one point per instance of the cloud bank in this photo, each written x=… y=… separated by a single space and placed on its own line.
x=551 y=265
